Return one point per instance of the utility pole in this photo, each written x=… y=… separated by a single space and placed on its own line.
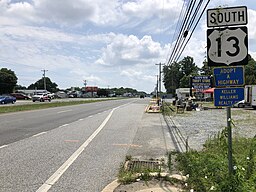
x=157 y=86
x=160 y=71
x=44 y=78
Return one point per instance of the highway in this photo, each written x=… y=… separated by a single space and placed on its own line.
x=72 y=148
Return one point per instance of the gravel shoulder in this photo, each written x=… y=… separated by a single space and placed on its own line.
x=198 y=126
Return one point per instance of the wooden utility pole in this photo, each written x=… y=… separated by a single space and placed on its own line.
x=159 y=81
x=44 y=78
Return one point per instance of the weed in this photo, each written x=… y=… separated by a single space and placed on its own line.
x=208 y=169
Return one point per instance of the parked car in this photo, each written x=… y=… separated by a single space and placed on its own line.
x=7 y=99
x=20 y=96
x=42 y=97
x=51 y=95
x=240 y=104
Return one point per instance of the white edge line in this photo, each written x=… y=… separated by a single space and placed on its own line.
x=63 y=125
x=90 y=116
x=64 y=111
x=55 y=177
x=3 y=146
x=38 y=134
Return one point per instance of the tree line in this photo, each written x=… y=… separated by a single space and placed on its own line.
x=178 y=74
x=8 y=84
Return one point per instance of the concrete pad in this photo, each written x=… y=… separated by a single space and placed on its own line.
x=158 y=189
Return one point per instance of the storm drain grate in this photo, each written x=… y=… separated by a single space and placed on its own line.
x=139 y=166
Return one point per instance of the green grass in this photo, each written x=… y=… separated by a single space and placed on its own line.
x=208 y=169
x=168 y=109
x=45 y=105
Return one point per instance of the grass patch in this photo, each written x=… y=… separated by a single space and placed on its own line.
x=208 y=169
x=168 y=109
x=35 y=106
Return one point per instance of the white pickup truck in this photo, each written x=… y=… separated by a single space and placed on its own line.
x=41 y=97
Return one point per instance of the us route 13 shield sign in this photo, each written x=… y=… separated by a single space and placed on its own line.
x=227 y=46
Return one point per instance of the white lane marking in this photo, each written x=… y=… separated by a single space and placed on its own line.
x=63 y=125
x=80 y=119
x=90 y=116
x=3 y=146
x=64 y=111
x=55 y=177
x=39 y=134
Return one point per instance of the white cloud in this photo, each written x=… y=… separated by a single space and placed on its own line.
x=65 y=11
x=252 y=24
x=112 y=42
x=129 y=50
x=131 y=73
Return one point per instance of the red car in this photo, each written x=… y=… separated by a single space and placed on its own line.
x=20 y=96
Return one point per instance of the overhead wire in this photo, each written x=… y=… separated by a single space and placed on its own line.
x=199 y=18
x=193 y=30
x=184 y=20
x=187 y=24
x=176 y=29
x=185 y=33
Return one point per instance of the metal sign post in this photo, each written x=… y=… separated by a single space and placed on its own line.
x=230 y=161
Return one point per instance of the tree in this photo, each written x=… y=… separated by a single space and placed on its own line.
x=178 y=74
x=171 y=78
x=188 y=67
x=185 y=81
x=20 y=87
x=103 y=92
x=250 y=71
x=50 y=86
x=206 y=69
x=8 y=81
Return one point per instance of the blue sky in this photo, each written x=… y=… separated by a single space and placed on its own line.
x=106 y=42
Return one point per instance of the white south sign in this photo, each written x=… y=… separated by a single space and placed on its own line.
x=227 y=46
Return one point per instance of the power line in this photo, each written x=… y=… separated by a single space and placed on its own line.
x=188 y=23
x=177 y=58
x=184 y=21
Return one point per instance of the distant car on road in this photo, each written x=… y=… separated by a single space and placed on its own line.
x=20 y=96
x=7 y=99
x=42 y=97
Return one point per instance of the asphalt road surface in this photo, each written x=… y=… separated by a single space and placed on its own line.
x=72 y=148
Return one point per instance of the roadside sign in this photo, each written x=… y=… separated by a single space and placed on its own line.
x=227 y=46
x=200 y=83
x=229 y=76
x=228 y=96
x=227 y=16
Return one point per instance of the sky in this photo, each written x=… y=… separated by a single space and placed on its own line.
x=108 y=43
